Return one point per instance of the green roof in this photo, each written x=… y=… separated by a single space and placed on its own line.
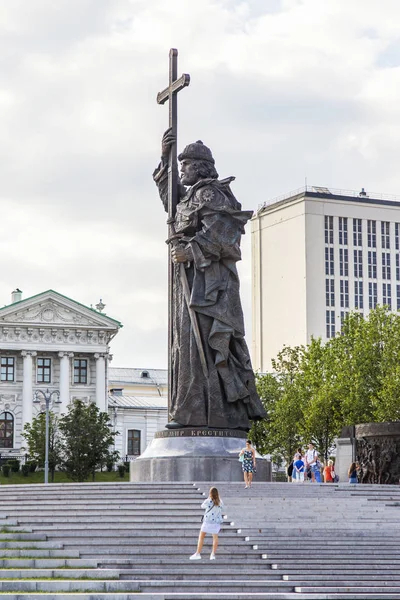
x=62 y=296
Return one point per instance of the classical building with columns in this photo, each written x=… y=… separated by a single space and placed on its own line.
x=49 y=341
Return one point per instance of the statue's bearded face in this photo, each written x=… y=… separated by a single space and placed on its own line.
x=189 y=174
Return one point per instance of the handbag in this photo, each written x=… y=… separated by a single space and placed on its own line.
x=241 y=458
x=202 y=518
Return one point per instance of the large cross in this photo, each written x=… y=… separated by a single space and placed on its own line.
x=170 y=94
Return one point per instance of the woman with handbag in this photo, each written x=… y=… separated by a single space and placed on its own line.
x=211 y=523
x=249 y=463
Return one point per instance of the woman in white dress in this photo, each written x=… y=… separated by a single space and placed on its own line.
x=212 y=520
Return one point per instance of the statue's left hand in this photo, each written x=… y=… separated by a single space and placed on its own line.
x=181 y=255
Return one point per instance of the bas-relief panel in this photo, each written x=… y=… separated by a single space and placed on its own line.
x=52 y=336
x=50 y=313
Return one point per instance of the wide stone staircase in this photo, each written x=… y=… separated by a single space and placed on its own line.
x=115 y=541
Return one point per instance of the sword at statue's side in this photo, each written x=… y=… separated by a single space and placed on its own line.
x=170 y=94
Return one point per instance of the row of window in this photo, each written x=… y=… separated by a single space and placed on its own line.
x=359 y=294
x=357 y=232
x=358 y=264
x=7 y=435
x=43 y=369
x=358 y=301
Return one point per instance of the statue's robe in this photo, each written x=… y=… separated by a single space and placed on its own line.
x=211 y=223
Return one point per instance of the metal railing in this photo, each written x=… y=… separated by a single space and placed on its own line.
x=324 y=191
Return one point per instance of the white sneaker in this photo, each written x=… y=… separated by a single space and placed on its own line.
x=195 y=556
x=212 y=556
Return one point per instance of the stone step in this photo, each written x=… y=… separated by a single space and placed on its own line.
x=59 y=573
x=70 y=511
x=136 y=527
x=355 y=565
x=164 y=543
x=231 y=562
x=31 y=544
x=36 y=537
x=349 y=589
x=329 y=553
x=177 y=596
x=134 y=501
x=247 y=585
x=207 y=571
x=48 y=563
x=8 y=553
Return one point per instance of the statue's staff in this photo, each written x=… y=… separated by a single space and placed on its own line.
x=170 y=94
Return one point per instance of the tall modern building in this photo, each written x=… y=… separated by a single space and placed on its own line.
x=317 y=254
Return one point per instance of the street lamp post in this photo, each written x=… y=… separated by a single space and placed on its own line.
x=47 y=395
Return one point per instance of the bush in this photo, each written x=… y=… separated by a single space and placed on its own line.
x=121 y=470
x=32 y=465
x=6 y=470
x=110 y=466
x=25 y=470
x=14 y=464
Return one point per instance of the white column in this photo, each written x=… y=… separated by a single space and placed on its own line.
x=64 y=380
x=27 y=387
x=101 y=381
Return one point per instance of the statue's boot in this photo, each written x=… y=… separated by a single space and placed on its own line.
x=173 y=425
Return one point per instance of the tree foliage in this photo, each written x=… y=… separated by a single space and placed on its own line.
x=35 y=435
x=87 y=440
x=317 y=389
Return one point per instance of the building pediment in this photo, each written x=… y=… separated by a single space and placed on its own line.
x=55 y=310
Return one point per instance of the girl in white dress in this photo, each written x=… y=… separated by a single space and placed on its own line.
x=212 y=520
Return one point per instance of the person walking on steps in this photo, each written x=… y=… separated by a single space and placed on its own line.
x=352 y=472
x=212 y=520
x=249 y=463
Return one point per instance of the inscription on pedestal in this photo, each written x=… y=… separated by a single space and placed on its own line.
x=200 y=432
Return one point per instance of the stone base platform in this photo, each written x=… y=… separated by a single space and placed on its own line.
x=195 y=454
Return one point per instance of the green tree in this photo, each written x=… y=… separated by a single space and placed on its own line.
x=279 y=432
x=87 y=440
x=35 y=435
x=322 y=418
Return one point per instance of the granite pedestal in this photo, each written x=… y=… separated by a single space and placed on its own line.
x=195 y=454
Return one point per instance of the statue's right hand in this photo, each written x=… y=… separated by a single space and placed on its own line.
x=167 y=140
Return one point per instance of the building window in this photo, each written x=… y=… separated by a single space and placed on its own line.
x=372 y=294
x=343 y=241
x=358 y=294
x=398 y=267
x=344 y=293
x=358 y=267
x=372 y=264
x=357 y=232
x=330 y=292
x=329 y=263
x=328 y=230
x=43 y=370
x=344 y=262
x=385 y=234
x=6 y=430
x=371 y=230
x=133 y=442
x=386 y=265
x=330 y=323
x=343 y=315
x=7 y=368
x=398 y=296
x=387 y=294
x=80 y=371
x=396 y=236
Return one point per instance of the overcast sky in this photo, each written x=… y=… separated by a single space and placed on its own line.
x=280 y=90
